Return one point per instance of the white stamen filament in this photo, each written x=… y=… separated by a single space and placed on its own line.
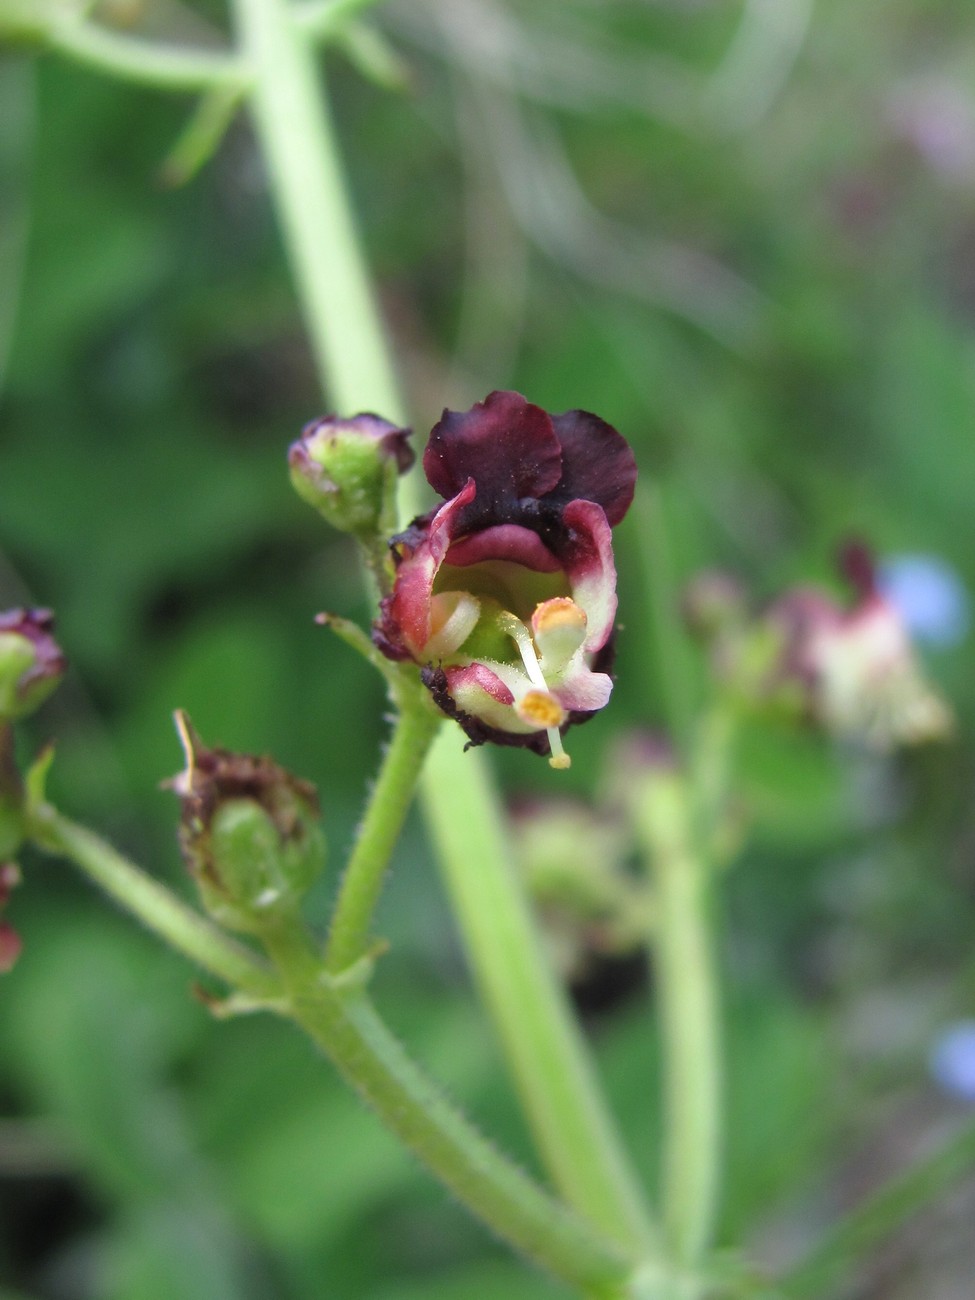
x=516 y=629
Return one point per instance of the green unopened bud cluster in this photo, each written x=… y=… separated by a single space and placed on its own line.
x=250 y=833
x=575 y=860
x=347 y=470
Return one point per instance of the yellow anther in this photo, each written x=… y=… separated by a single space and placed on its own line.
x=559 y=612
x=540 y=709
x=538 y=706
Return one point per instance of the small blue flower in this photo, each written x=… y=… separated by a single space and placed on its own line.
x=952 y=1061
x=930 y=596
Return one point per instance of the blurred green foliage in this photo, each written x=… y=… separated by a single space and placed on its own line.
x=752 y=248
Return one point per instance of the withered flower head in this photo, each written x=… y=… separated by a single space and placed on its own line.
x=250 y=832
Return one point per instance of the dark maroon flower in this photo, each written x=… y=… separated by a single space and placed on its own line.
x=31 y=661
x=506 y=594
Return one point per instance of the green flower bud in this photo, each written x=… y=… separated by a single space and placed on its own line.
x=347 y=470
x=250 y=833
x=31 y=661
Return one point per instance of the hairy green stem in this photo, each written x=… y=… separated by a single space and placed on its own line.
x=153 y=904
x=307 y=184
x=389 y=802
x=686 y=984
x=551 y=1067
x=345 y=1025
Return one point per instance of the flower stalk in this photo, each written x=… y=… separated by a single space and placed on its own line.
x=415 y=727
x=575 y=1134
x=153 y=904
x=553 y=1072
x=297 y=139
x=686 y=984
x=338 y=1017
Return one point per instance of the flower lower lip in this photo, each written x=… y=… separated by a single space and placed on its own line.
x=504 y=542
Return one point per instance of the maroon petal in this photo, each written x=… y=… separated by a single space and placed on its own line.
x=597 y=464
x=591 y=570
x=479 y=676
x=10 y=947
x=504 y=542
x=405 y=613
x=507 y=445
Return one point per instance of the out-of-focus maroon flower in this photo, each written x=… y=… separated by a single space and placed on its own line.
x=855 y=667
x=506 y=594
x=31 y=661
x=10 y=941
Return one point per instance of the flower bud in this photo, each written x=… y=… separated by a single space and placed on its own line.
x=31 y=661
x=713 y=603
x=250 y=832
x=347 y=470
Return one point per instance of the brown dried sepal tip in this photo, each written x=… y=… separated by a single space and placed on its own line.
x=214 y=776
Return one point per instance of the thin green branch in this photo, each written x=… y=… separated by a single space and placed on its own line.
x=202 y=136
x=321 y=19
x=153 y=904
x=835 y=1257
x=167 y=67
x=389 y=803
x=686 y=984
x=298 y=141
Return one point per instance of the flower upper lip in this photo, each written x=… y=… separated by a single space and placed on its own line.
x=528 y=464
